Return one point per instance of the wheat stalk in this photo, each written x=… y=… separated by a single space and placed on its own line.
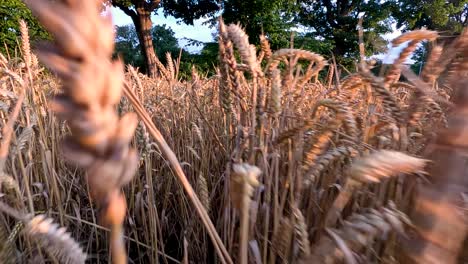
x=170 y=156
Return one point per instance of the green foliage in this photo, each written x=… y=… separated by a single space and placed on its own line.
x=128 y=47
x=205 y=61
x=272 y=17
x=189 y=10
x=186 y=10
x=164 y=40
x=126 y=3
x=419 y=57
x=11 y=11
x=449 y=16
x=308 y=41
x=334 y=22
x=330 y=26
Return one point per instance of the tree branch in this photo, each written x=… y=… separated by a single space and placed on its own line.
x=152 y=5
x=129 y=12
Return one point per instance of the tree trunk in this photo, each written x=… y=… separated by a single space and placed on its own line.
x=143 y=26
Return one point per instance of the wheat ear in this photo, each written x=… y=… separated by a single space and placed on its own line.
x=414 y=37
x=373 y=168
x=358 y=231
x=80 y=55
x=394 y=73
x=283 y=237
x=383 y=164
x=29 y=58
x=7 y=250
x=170 y=66
x=317 y=62
x=428 y=73
x=275 y=93
x=246 y=51
x=203 y=192
x=265 y=46
x=54 y=239
x=25 y=46
x=301 y=235
x=243 y=181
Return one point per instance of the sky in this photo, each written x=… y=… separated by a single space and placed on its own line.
x=203 y=33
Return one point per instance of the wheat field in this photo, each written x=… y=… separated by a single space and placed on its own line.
x=277 y=158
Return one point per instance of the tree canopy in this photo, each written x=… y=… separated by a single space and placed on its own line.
x=335 y=22
x=325 y=26
x=186 y=10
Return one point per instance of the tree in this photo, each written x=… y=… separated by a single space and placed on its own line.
x=140 y=12
x=128 y=48
x=274 y=18
x=335 y=22
x=11 y=11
